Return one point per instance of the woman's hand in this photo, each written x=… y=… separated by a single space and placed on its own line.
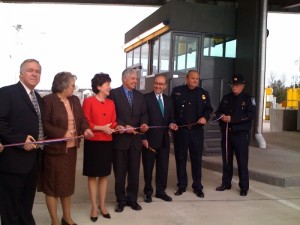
x=88 y=133
x=106 y=129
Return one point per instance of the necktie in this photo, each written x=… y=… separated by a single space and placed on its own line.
x=130 y=97
x=37 y=109
x=161 y=105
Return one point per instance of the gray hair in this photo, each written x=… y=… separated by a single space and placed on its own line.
x=28 y=61
x=62 y=81
x=127 y=72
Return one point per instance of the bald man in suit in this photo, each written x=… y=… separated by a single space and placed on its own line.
x=160 y=113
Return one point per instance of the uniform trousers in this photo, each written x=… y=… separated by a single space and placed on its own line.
x=126 y=163
x=189 y=140
x=238 y=144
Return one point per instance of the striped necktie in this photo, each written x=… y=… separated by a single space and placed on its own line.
x=130 y=97
x=37 y=109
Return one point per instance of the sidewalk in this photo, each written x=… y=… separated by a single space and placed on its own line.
x=265 y=204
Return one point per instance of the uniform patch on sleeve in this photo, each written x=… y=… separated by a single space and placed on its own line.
x=253 y=101
x=203 y=97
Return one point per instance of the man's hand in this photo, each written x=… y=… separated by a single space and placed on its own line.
x=145 y=143
x=226 y=119
x=173 y=126
x=120 y=129
x=29 y=146
x=144 y=127
x=202 y=121
x=130 y=129
x=1 y=147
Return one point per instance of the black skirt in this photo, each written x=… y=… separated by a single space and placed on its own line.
x=97 y=158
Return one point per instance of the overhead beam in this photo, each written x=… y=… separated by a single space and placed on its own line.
x=119 y=2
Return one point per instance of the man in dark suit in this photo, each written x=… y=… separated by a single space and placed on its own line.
x=131 y=118
x=192 y=110
x=160 y=113
x=20 y=123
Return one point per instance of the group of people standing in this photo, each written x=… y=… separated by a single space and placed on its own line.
x=40 y=138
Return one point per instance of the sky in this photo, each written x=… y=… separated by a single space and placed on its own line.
x=87 y=39
x=81 y=39
x=283 y=47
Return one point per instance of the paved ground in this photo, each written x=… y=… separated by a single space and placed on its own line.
x=265 y=204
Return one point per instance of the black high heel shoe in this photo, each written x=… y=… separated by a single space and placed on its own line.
x=63 y=222
x=94 y=218
x=107 y=215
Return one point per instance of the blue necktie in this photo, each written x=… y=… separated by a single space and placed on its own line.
x=161 y=105
x=130 y=97
x=37 y=109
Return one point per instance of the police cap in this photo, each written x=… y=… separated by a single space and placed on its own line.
x=237 y=79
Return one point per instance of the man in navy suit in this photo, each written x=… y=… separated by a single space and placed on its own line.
x=132 y=119
x=19 y=123
x=160 y=113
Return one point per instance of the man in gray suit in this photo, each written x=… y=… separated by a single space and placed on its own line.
x=132 y=119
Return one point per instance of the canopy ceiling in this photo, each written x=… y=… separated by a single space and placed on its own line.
x=273 y=5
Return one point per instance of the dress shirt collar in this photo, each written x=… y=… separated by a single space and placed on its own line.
x=26 y=88
x=126 y=90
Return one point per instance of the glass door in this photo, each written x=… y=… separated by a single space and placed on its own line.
x=186 y=48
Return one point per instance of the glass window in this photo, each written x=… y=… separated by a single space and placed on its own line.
x=129 y=57
x=155 y=49
x=230 y=48
x=185 y=53
x=144 y=59
x=136 y=56
x=164 y=53
x=217 y=46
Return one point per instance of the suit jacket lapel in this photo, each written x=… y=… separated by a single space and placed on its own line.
x=25 y=96
x=124 y=96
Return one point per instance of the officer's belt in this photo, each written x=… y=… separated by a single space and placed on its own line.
x=237 y=131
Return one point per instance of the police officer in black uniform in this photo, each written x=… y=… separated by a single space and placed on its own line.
x=192 y=110
x=237 y=110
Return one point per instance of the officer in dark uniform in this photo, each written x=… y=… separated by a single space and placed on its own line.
x=192 y=110
x=237 y=110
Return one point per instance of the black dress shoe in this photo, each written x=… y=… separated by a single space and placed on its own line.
x=120 y=207
x=199 y=193
x=134 y=205
x=179 y=191
x=164 y=197
x=94 y=219
x=148 y=198
x=243 y=193
x=107 y=215
x=63 y=222
x=223 y=188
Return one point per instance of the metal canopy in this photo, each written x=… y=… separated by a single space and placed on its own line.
x=273 y=5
